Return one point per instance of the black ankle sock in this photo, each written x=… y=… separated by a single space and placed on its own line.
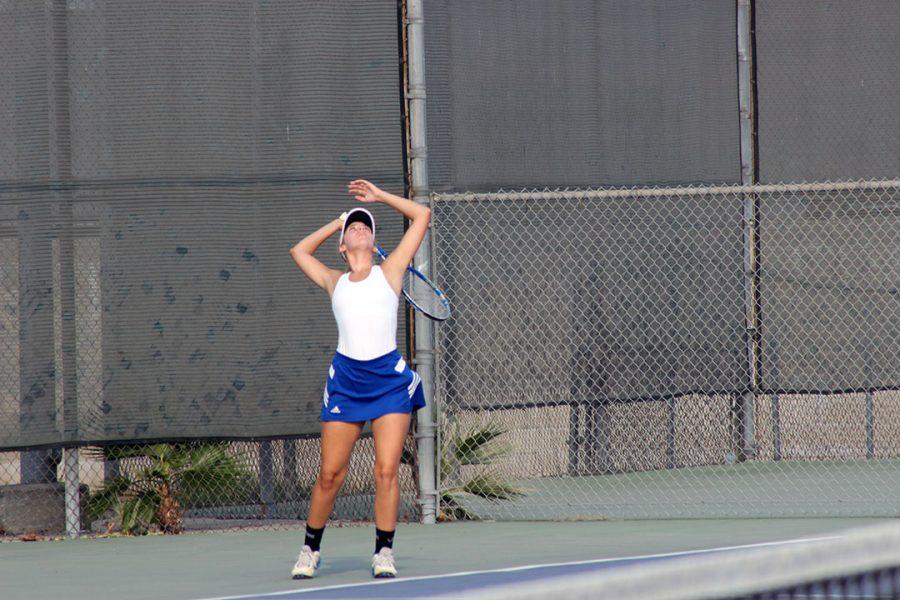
x=383 y=539
x=314 y=537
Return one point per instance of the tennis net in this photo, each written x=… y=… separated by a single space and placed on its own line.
x=860 y=563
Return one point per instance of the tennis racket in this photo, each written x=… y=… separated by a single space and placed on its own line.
x=419 y=291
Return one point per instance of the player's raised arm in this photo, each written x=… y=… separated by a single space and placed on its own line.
x=312 y=267
x=419 y=216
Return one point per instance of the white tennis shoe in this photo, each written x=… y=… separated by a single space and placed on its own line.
x=307 y=563
x=383 y=564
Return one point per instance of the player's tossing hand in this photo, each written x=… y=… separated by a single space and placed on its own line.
x=365 y=191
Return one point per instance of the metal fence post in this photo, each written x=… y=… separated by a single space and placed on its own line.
x=61 y=167
x=671 y=432
x=289 y=468
x=73 y=492
x=776 y=427
x=870 y=425
x=870 y=403
x=424 y=334
x=774 y=360
x=266 y=478
x=744 y=417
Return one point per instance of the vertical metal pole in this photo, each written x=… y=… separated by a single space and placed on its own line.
x=266 y=478
x=61 y=165
x=73 y=492
x=289 y=469
x=671 y=432
x=870 y=425
x=266 y=466
x=745 y=418
x=575 y=441
x=424 y=334
x=776 y=426
x=600 y=424
x=870 y=404
x=745 y=90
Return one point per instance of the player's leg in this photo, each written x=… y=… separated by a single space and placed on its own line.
x=337 y=441
x=390 y=433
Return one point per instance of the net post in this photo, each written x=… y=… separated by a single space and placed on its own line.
x=744 y=416
x=423 y=342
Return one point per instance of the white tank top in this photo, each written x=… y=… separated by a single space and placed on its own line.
x=366 y=315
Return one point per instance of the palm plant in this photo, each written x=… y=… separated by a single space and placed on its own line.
x=173 y=476
x=476 y=445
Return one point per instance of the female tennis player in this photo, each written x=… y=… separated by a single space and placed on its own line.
x=368 y=380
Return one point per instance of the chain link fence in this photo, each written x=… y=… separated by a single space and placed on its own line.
x=192 y=486
x=123 y=487
x=691 y=352
x=645 y=352
x=157 y=162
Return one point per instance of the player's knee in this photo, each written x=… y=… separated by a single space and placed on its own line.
x=331 y=479
x=385 y=475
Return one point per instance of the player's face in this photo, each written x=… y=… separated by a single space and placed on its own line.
x=358 y=235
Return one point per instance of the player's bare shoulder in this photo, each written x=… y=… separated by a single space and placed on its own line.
x=331 y=281
x=393 y=272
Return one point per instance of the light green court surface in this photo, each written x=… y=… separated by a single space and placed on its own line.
x=235 y=563
x=846 y=488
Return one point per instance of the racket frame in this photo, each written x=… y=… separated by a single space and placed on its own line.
x=415 y=273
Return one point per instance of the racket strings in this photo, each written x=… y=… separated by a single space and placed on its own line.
x=421 y=293
x=425 y=297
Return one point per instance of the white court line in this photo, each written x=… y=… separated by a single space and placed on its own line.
x=524 y=568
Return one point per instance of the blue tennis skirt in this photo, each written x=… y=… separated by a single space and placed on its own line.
x=362 y=390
